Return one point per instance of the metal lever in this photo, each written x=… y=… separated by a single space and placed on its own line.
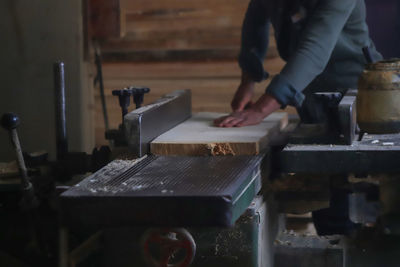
x=10 y=122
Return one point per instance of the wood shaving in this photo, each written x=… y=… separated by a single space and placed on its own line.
x=220 y=149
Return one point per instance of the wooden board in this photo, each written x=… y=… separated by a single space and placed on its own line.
x=198 y=136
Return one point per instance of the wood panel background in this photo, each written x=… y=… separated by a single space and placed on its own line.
x=178 y=30
x=174 y=44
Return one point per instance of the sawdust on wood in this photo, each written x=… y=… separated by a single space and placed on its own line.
x=220 y=149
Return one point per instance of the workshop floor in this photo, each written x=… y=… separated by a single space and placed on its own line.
x=213 y=84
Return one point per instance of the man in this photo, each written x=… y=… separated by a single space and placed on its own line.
x=321 y=42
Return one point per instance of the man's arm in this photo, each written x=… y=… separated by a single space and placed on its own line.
x=309 y=60
x=255 y=38
x=255 y=32
x=314 y=51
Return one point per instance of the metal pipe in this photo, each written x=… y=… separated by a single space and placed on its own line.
x=61 y=122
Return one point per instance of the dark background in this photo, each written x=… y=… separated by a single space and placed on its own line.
x=383 y=18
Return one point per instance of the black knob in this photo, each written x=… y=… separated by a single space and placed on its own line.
x=138 y=94
x=124 y=97
x=122 y=92
x=9 y=121
x=139 y=90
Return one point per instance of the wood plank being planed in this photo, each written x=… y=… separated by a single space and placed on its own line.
x=197 y=136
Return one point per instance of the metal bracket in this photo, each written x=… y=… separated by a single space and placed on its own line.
x=348 y=116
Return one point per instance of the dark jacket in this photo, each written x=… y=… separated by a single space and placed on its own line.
x=320 y=40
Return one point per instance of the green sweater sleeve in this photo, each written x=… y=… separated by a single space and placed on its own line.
x=312 y=55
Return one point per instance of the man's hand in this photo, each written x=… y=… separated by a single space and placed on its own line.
x=240 y=118
x=244 y=94
x=251 y=116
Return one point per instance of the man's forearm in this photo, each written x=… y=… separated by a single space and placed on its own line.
x=266 y=104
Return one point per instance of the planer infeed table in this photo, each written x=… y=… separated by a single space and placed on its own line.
x=166 y=191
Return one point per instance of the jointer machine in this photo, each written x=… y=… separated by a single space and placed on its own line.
x=139 y=209
x=226 y=209
x=143 y=209
x=173 y=210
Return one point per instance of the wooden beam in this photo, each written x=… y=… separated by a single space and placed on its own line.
x=138 y=5
x=104 y=20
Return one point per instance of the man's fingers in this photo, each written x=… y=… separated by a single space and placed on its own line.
x=220 y=121
x=248 y=122
x=236 y=123
x=227 y=120
x=236 y=119
x=232 y=123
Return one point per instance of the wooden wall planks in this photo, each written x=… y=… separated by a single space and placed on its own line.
x=161 y=29
x=104 y=21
